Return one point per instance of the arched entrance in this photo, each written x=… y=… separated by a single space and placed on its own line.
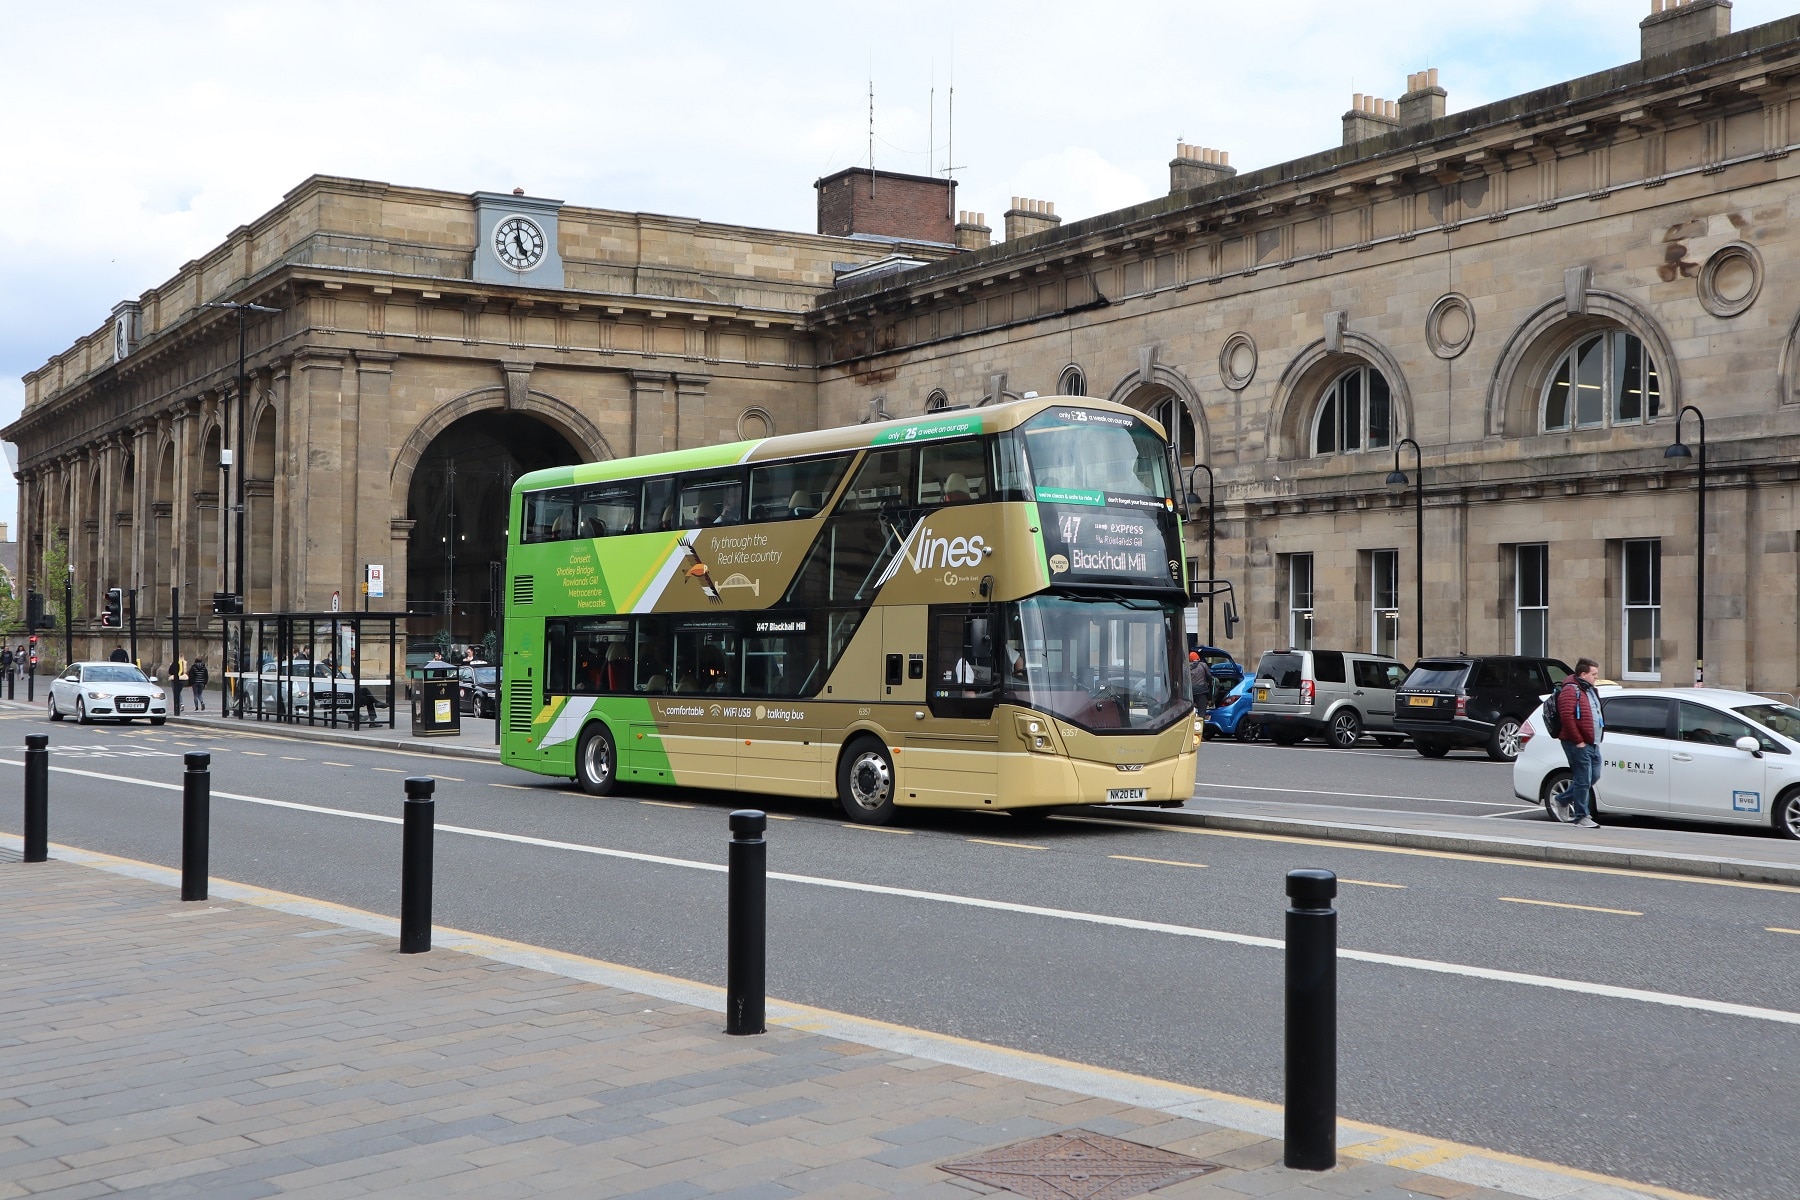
x=457 y=501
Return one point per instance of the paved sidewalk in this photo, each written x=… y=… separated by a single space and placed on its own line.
x=235 y=1048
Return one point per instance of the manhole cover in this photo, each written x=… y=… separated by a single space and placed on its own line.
x=1079 y=1166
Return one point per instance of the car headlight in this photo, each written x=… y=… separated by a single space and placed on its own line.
x=157 y=696
x=99 y=696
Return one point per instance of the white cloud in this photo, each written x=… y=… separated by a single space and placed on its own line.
x=140 y=135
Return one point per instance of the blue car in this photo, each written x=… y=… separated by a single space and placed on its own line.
x=1224 y=668
x=1231 y=719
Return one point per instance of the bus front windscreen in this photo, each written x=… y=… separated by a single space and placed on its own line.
x=1109 y=665
x=1101 y=454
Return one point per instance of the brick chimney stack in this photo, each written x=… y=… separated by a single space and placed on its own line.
x=1027 y=216
x=1677 y=24
x=1424 y=99
x=972 y=232
x=1369 y=116
x=1197 y=166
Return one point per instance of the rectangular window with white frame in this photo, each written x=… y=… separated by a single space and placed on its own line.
x=1384 y=601
x=1300 y=601
x=1642 y=618
x=1531 y=601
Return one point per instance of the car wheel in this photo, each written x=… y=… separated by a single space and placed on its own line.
x=81 y=717
x=866 y=782
x=596 y=761
x=1248 y=731
x=1503 y=743
x=1431 y=749
x=1552 y=793
x=55 y=713
x=1787 y=814
x=1346 y=727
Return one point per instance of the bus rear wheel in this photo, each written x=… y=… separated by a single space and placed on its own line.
x=596 y=761
x=866 y=782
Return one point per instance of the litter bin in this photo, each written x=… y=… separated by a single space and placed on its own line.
x=435 y=711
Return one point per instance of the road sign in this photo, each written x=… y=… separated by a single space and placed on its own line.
x=377 y=580
x=334 y=601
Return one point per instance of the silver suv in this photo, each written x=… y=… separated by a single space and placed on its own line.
x=1333 y=694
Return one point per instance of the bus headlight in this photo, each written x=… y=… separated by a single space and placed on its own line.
x=1035 y=733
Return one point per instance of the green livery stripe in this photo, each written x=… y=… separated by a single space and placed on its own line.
x=728 y=455
x=1048 y=495
x=1036 y=518
x=922 y=431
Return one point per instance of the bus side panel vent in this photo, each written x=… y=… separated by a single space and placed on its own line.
x=524 y=587
x=520 y=705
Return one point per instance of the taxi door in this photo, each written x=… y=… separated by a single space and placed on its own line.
x=1710 y=779
x=1634 y=753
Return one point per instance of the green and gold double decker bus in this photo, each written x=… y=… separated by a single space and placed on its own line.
x=976 y=609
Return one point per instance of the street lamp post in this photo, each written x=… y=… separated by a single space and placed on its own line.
x=1680 y=450
x=1211 y=521
x=1397 y=478
x=236 y=510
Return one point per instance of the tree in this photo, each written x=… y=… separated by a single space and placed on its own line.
x=54 y=574
x=9 y=601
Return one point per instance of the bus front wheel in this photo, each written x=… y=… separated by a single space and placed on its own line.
x=596 y=761
x=866 y=782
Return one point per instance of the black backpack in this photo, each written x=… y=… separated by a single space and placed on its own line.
x=1549 y=715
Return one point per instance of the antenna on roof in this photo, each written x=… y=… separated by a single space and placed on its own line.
x=871 y=122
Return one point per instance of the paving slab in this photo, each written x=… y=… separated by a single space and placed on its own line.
x=221 y=1084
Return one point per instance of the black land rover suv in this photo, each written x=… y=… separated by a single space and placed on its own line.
x=1473 y=700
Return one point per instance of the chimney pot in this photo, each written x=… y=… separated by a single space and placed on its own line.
x=1677 y=24
x=518 y=191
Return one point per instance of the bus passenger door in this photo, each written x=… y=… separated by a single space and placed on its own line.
x=954 y=749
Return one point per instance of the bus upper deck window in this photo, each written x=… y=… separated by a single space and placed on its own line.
x=953 y=472
x=711 y=500
x=659 y=505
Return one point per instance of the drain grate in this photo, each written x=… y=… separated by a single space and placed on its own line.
x=1079 y=1166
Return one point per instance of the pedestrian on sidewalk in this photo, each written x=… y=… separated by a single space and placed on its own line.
x=1580 y=728
x=119 y=655
x=1200 y=681
x=197 y=676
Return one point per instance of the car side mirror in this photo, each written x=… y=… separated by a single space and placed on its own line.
x=1749 y=745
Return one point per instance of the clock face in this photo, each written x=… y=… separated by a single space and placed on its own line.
x=519 y=243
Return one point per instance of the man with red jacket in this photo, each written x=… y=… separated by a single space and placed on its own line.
x=1580 y=728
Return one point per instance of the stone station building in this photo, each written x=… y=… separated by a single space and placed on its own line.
x=1530 y=291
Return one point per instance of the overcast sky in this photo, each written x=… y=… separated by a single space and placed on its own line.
x=139 y=135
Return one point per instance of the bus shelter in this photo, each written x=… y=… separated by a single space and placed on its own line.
x=332 y=669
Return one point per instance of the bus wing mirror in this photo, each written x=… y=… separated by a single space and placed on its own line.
x=981 y=640
x=1231 y=619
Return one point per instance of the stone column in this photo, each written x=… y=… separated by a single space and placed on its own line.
x=143 y=480
x=316 y=477
x=647 y=411
x=399 y=534
x=690 y=410
x=373 y=510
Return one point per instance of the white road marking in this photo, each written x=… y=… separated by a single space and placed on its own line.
x=1491 y=974
x=1512 y=812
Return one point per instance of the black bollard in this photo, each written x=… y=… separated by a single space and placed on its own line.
x=196 y=823
x=1310 y=1122
x=747 y=895
x=37 y=797
x=415 y=866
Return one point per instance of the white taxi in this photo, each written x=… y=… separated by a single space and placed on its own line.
x=111 y=691
x=1686 y=754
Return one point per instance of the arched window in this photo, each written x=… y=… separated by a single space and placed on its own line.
x=1173 y=415
x=1604 y=379
x=937 y=399
x=1072 y=382
x=1356 y=414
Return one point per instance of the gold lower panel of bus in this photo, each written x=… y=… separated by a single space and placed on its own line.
x=954 y=764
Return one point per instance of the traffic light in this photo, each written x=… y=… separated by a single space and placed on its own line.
x=35 y=616
x=227 y=603
x=115 y=607
x=34 y=652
